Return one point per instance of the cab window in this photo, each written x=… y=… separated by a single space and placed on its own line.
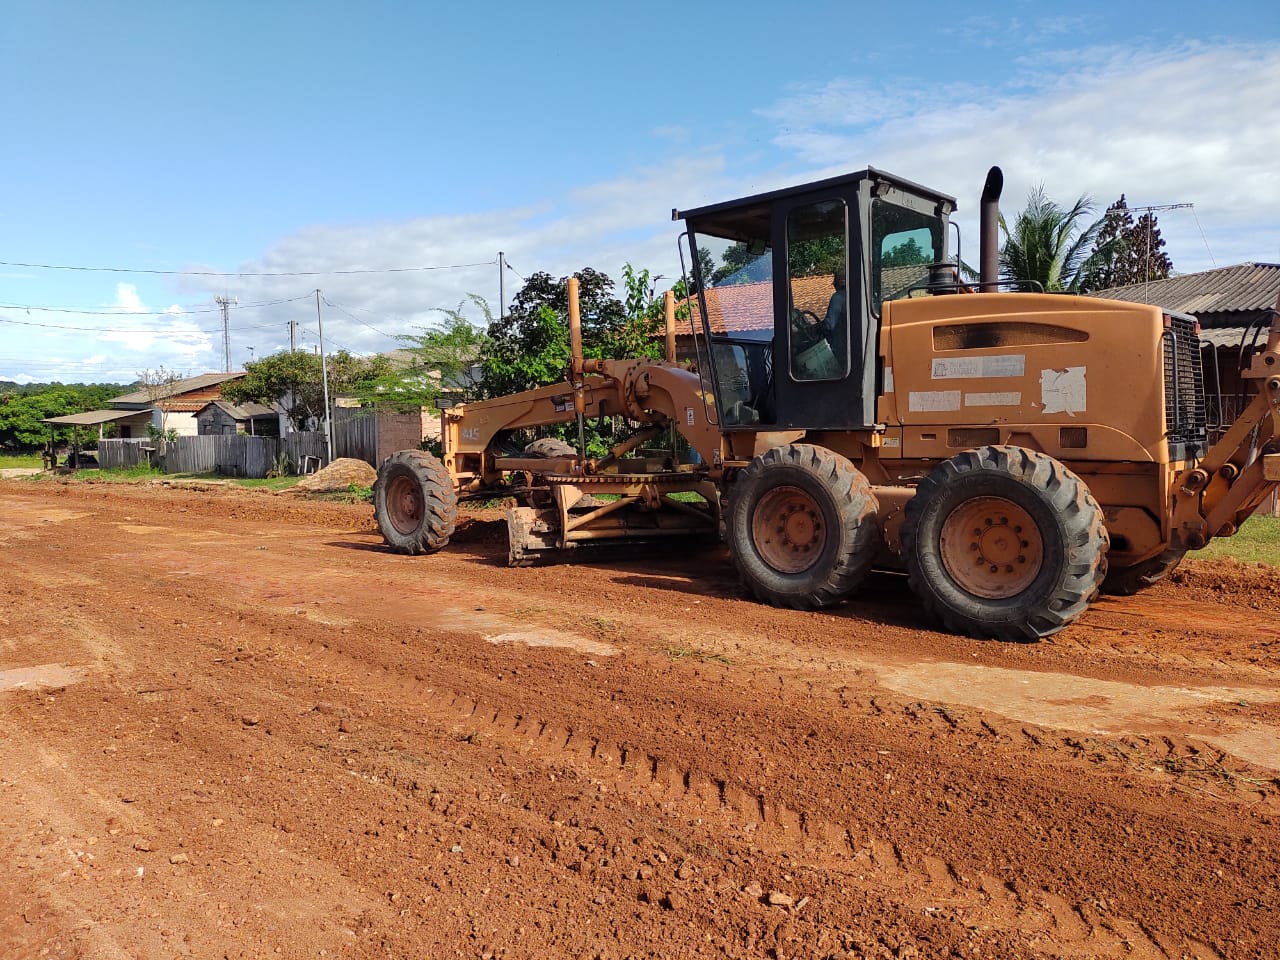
x=817 y=260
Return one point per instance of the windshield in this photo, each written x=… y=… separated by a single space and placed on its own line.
x=903 y=244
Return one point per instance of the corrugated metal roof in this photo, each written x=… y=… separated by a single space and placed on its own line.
x=245 y=411
x=178 y=387
x=1246 y=286
x=1228 y=336
x=93 y=417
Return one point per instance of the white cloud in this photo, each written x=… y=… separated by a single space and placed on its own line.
x=1190 y=125
x=1186 y=125
x=145 y=338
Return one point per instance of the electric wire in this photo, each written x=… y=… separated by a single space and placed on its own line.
x=185 y=311
x=1203 y=237
x=343 y=310
x=247 y=273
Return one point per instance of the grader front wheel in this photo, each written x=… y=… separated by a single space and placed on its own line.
x=414 y=502
x=1004 y=542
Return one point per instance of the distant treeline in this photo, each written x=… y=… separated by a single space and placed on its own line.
x=24 y=406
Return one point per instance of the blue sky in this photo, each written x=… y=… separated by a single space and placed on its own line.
x=293 y=138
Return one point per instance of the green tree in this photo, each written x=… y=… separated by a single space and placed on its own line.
x=22 y=408
x=1126 y=252
x=1047 y=248
x=907 y=254
x=445 y=361
x=294 y=381
x=530 y=346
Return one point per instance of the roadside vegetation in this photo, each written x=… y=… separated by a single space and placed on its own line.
x=19 y=461
x=1257 y=542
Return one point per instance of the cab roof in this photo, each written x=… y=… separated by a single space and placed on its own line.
x=716 y=210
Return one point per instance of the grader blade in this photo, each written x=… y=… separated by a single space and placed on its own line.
x=617 y=510
x=531 y=533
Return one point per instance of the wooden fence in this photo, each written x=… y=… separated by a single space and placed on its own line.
x=355 y=435
x=234 y=455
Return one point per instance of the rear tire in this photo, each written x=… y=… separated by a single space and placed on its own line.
x=1004 y=542
x=1126 y=581
x=802 y=527
x=414 y=502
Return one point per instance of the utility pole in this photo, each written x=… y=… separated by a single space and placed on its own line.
x=324 y=377
x=502 y=284
x=225 y=304
x=293 y=336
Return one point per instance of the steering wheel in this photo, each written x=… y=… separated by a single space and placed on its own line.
x=806 y=328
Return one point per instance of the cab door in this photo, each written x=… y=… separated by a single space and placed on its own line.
x=819 y=343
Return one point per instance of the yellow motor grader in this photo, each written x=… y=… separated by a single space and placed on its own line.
x=851 y=402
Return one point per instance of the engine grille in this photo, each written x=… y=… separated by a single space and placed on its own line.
x=1184 y=406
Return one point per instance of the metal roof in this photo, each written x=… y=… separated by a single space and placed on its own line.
x=1229 y=336
x=93 y=417
x=1244 y=287
x=177 y=387
x=871 y=173
x=245 y=411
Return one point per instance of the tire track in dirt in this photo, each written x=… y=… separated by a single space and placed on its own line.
x=859 y=855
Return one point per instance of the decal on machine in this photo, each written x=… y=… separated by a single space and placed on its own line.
x=688 y=416
x=1011 y=399
x=933 y=401
x=1062 y=391
x=562 y=402
x=964 y=368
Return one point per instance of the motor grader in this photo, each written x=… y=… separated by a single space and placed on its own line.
x=850 y=402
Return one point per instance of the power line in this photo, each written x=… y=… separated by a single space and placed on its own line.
x=245 y=273
x=344 y=310
x=185 y=311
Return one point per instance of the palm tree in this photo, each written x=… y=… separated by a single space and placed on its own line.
x=1046 y=249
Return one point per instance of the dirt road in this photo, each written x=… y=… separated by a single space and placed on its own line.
x=232 y=725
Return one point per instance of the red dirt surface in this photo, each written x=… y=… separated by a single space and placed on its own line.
x=233 y=725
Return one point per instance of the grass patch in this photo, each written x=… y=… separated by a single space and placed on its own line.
x=268 y=483
x=119 y=474
x=687 y=496
x=1257 y=542
x=18 y=461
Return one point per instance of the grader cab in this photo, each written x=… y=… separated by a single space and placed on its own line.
x=851 y=402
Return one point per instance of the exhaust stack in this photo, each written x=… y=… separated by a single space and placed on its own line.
x=989 y=232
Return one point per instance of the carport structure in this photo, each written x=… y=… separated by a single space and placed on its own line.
x=94 y=418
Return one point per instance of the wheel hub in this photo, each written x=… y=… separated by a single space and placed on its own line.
x=788 y=530
x=404 y=504
x=992 y=548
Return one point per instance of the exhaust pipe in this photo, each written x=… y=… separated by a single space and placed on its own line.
x=989 y=232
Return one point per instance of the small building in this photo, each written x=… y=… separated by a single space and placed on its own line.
x=169 y=406
x=219 y=417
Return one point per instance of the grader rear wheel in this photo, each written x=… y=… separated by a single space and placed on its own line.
x=1004 y=542
x=414 y=502
x=802 y=527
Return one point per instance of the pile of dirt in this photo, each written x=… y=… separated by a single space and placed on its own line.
x=342 y=474
x=1253 y=585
